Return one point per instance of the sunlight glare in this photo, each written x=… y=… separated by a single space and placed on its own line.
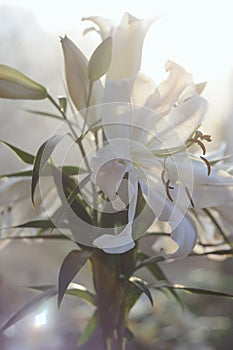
x=40 y=319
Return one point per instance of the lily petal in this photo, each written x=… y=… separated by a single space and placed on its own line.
x=205 y=190
x=108 y=173
x=178 y=87
x=116 y=244
x=128 y=40
x=185 y=236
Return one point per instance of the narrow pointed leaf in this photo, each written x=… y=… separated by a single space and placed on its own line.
x=141 y=285
x=201 y=291
x=25 y=173
x=33 y=304
x=89 y=330
x=71 y=265
x=45 y=224
x=39 y=236
x=157 y=272
x=72 y=170
x=82 y=293
x=75 y=289
x=41 y=158
x=63 y=103
x=44 y=114
x=191 y=290
x=67 y=169
x=24 y=156
x=100 y=60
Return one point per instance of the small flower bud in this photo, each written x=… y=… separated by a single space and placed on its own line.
x=16 y=85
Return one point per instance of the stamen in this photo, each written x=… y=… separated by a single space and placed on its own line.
x=189 y=196
x=197 y=137
x=163 y=177
x=198 y=134
x=201 y=144
x=168 y=188
x=207 y=163
x=206 y=138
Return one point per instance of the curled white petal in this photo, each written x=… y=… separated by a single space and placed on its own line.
x=116 y=244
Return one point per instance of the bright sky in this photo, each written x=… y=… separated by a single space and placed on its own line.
x=197 y=34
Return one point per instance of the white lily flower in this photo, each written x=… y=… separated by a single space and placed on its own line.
x=16 y=207
x=218 y=221
x=128 y=38
x=149 y=145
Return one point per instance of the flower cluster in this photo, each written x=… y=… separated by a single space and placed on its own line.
x=148 y=132
x=144 y=163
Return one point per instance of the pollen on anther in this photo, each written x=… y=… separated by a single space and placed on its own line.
x=207 y=163
x=163 y=177
x=189 y=196
x=168 y=188
x=201 y=144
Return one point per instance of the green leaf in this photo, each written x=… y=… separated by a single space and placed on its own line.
x=132 y=296
x=71 y=265
x=41 y=158
x=151 y=264
x=33 y=304
x=45 y=114
x=67 y=169
x=89 y=330
x=100 y=60
x=25 y=173
x=192 y=290
x=72 y=170
x=67 y=189
x=24 y=156
x=39 y=236
x=63 y=103
x=143 y=286
x=80 y=291
x=45 y=224
x=75 y=289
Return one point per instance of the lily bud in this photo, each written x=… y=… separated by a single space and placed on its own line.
x=78 y=83
x=16 y=85
x=76 y=66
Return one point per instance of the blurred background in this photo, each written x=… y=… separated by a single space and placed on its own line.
x=197 y=35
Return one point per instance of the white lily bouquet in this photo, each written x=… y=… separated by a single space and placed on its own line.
x=140 y=168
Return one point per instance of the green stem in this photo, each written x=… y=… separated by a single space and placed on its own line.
x=112 y=294
x=218 y=226
x=51 y=99
x=88 y=105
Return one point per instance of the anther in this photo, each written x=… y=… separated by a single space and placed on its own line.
x=168 y=188
x=189 y=196
x=201 y=144
x=206 y=138
x=207 y=163
x=198 y=134
x=163 y=177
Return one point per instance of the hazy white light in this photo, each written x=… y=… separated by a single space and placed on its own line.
x=40 y=319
